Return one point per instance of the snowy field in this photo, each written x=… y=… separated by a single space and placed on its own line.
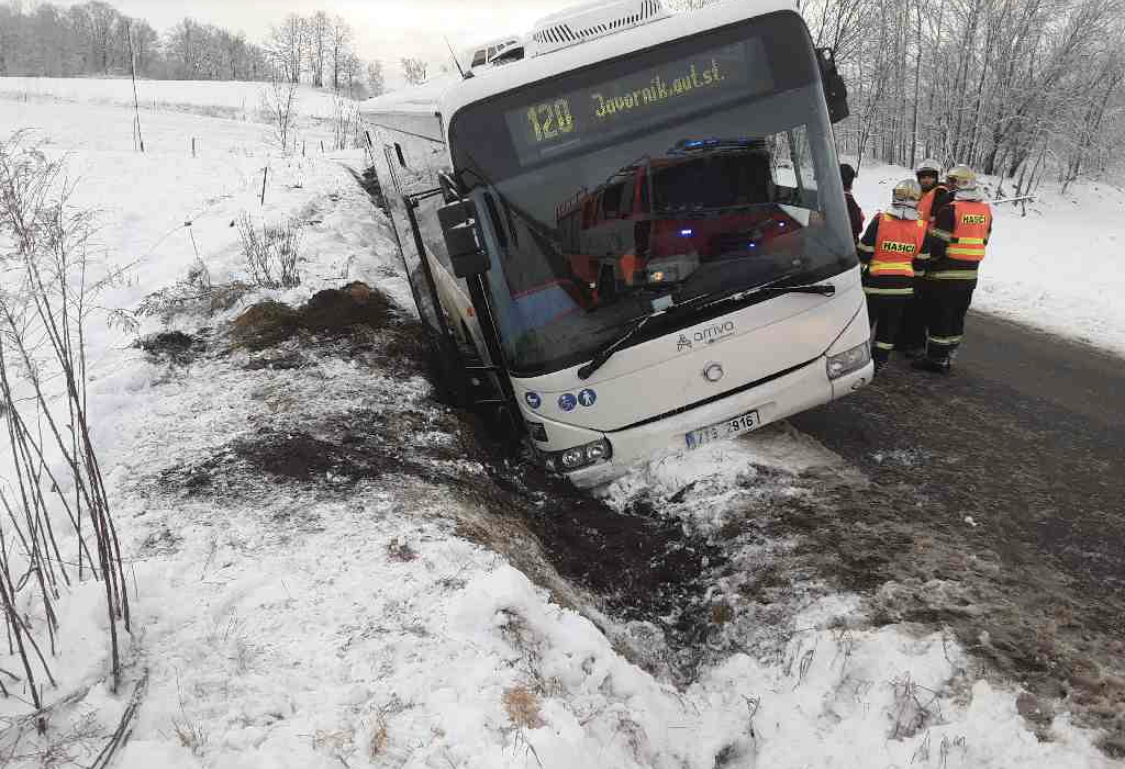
x=387 y=609
x=1056 y=267
x=236 y=100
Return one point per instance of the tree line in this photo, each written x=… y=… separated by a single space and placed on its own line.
x=95 y=39
x=1024 y=89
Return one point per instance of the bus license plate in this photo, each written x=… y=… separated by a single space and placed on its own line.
x=723 y=430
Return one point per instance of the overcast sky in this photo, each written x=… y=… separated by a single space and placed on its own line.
x=385 y=29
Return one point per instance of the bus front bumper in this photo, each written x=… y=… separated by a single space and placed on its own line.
x=775 y=400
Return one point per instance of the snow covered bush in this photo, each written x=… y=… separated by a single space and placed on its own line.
x=58 y=531
x=272 y=252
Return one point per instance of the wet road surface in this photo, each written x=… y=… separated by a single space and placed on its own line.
x=996 y=508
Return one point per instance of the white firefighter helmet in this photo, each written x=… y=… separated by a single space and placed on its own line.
x=906 y=193
x=904 y=199
x=962 y=178
x=928 y=166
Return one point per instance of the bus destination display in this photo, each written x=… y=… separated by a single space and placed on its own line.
x=638 y=99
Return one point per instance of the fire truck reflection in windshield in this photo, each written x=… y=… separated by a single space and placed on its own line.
x=654 y=222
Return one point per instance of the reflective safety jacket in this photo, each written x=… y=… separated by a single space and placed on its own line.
x=890 y=249
x=932 y=202
x=958 y=240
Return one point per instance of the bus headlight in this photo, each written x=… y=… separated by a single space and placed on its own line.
x=849 y=361
x=573 y=458
x=578 y=457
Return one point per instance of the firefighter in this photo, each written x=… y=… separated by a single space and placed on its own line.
x=855 y=213
x=935 y=195
x=956 y=245
x=889 y=249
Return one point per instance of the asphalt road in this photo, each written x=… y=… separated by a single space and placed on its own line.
x=997 y=507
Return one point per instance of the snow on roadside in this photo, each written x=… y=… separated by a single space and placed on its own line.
x=1049 y=268
x=342 y=620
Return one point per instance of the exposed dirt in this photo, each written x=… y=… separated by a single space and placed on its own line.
x=332 y=312
x=173 y=347
x=641 y=566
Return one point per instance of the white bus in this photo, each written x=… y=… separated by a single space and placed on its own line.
x=633 y=228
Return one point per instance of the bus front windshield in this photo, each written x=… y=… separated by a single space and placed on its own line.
x=697 y=170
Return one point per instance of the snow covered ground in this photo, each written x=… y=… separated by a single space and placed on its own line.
x=380 y=605
x=1056 y=267
x=237 y=100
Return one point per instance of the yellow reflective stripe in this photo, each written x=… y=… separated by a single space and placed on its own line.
x=945 y=339
x=919 y=273
x=880 y=266
x=953 y=275
x=972 y=241
x=966 y=250
x=866 y=248
x=885 y=345
x=921 y=257
x=888 y=291
x=942 y=234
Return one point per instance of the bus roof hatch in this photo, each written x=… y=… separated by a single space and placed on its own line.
x=593 y=20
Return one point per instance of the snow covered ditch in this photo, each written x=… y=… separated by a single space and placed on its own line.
x=329 y=567
x=1053 y=263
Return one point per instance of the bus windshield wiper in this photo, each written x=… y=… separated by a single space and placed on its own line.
x=607 y=352
x=603 y=355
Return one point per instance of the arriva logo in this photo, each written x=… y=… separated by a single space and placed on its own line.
x=705 y=336
x=714 y=333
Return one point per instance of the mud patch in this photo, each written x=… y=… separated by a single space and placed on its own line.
x=265 y=324
x=332 y=312
x=173 y=347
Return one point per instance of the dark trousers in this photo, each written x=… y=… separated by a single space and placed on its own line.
x=912 y=327
x=946 y=307
x=884 y=312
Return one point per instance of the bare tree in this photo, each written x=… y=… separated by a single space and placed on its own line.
x=341 y=36
x=279 y=105
x=319 y=38
x=375 y=80
x=414 y=70
x=287 y=46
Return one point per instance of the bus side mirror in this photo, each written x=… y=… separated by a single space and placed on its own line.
x=835 y=90
x=458 y=225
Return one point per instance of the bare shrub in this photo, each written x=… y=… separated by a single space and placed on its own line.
x=47 y=298
x=379 y=737
x=522 y=706
x=272 y=253
x=915 y=708
x=399 y=549
x=345 y=123
x=194 y=294
x=279 y=109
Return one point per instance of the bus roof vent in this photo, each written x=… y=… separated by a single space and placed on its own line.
x=593 y=20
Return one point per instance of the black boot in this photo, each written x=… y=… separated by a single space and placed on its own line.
x=881 y=358
x=936 y=366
